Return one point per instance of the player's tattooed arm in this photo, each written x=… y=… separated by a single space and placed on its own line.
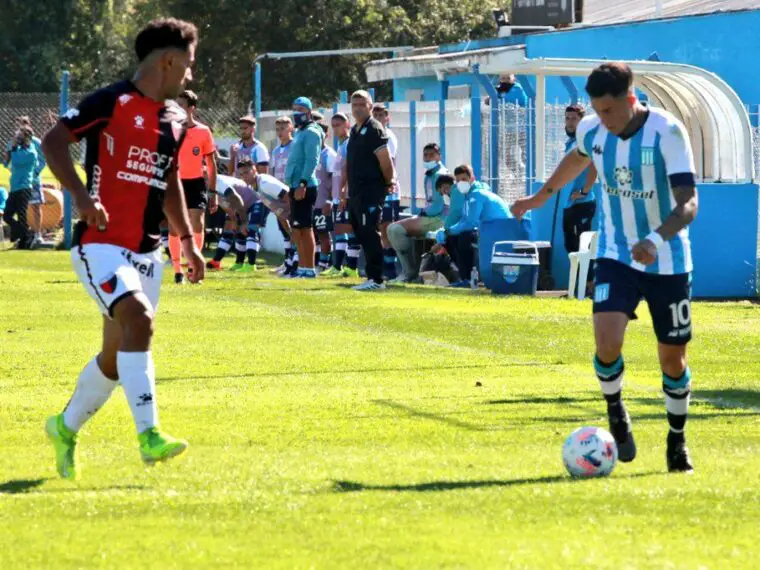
x=687 y=204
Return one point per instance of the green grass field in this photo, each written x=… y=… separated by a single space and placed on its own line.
x=415 y=428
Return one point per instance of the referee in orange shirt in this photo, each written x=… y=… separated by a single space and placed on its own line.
x=197 y=146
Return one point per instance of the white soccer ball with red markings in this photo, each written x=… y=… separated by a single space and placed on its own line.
x=590 y=452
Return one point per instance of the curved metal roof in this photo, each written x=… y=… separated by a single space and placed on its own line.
x=715 y=117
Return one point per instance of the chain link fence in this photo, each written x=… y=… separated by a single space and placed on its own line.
x=516 y=152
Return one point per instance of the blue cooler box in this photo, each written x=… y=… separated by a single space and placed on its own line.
x=514 y=268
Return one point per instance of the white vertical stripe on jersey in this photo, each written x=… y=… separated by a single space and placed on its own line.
x=610 y=249
x=623 y=160
x=664 y=254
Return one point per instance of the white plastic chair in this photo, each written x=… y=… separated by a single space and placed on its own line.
x=580 y=262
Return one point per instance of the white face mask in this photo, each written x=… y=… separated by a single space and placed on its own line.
x=464 y=187
x=429 y=165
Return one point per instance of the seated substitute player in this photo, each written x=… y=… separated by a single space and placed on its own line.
x=133 y=141
x=428 y=220
x=645 y=161
x=323 y=223
x=478 y=205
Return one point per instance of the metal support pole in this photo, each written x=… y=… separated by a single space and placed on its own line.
x=257 y=89
x=540 y=128
x=476 y=142
x=444 y=95
x=413 y=153
x=493 y=148
x=68 y=210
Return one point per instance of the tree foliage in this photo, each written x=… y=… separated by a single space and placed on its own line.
x=93 y=39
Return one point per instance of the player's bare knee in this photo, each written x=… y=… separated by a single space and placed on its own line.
x=139 y=328
x=135 y=318
x=673 y=360
x=608 y=349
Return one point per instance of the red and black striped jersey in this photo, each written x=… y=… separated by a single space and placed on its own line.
x=132 y=146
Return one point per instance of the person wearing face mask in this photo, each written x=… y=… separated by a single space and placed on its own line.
x=510 y=91
x=430 y=219
x=480 y=205
x=581 y=201
x=300 y=175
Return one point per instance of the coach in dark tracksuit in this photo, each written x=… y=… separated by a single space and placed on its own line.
x=370 y=178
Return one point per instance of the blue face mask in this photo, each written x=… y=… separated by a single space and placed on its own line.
x=429 y=164
x=300 y=118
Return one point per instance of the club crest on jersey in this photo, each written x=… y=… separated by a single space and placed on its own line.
x=109 y=285
x=196 y=150
x=139 y=122
x=597 y=149
x=623 y=176
x=647 y=156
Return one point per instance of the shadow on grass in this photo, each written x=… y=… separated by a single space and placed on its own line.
x=437 y=486
x=18 y=486
x=420 y=290
x=412 y=412
x=32 y=486
x=570 y=400
x=109 y=488
x=356 y=371
x=730 y=398
x=693 y=416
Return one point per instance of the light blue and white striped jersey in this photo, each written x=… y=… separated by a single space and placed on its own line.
x=257 y=152
x=279 y=161
x=638 y=174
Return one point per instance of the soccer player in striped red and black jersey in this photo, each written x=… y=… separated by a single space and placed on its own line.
x=133 y=141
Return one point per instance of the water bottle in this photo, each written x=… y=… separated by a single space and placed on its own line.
x=474 y=278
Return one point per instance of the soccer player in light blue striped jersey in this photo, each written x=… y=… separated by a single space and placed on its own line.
x=644 y=159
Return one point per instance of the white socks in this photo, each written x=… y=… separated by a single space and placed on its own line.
x=138 y=378
x=92 y=392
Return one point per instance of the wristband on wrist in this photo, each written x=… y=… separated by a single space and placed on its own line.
x=656 y=239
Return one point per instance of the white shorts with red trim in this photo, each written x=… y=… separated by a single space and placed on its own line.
x=111 y=273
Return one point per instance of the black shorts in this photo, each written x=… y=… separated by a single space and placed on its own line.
x=196 y=196
x=322 y=223
x=301 y=211
x=257 y=216
x=391 y=212
x=619 y=288
x=340 y=217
